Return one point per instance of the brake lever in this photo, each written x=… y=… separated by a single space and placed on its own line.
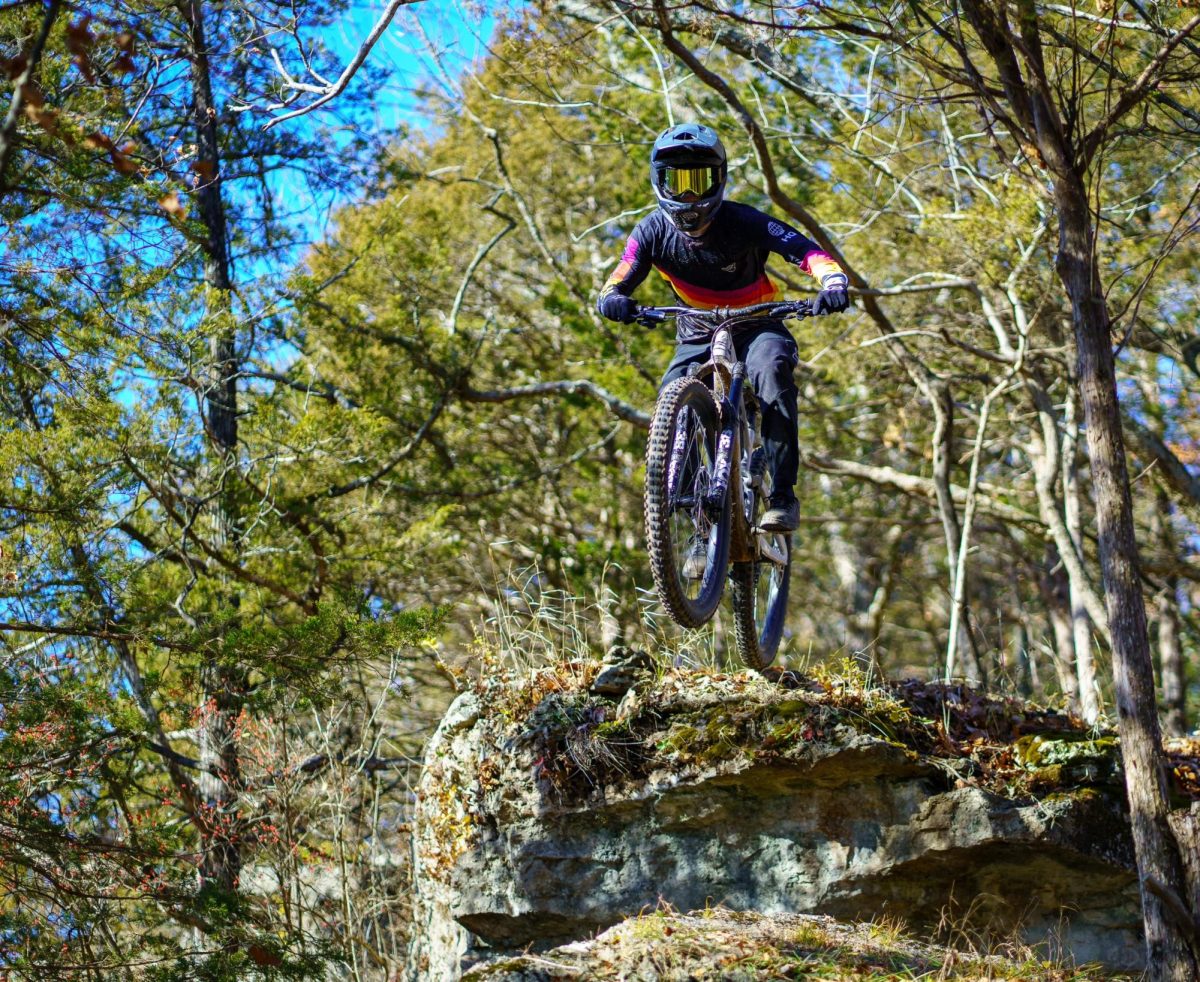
x=795 y=308
x=649 y=317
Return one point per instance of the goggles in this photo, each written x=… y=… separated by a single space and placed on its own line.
x=698 y=181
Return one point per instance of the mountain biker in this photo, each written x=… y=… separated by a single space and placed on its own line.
x=713 y=253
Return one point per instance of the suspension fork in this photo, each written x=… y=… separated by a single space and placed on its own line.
x=731 y=411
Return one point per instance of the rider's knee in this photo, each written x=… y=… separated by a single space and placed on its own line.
x=775 y=382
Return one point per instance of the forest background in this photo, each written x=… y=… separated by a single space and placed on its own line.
x=276 y=485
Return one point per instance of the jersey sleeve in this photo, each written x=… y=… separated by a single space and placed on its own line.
x=634 y=266
x=799 y=250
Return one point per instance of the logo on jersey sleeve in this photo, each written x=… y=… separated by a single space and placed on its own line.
x=780 y=232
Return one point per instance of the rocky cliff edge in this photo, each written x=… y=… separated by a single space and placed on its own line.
x=556 y=804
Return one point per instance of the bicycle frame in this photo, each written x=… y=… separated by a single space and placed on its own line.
x=728 y=382
x=705 y=490
x=740 y=420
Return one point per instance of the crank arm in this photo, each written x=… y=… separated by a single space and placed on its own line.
x=768 y=551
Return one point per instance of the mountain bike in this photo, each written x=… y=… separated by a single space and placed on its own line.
x=707 y=485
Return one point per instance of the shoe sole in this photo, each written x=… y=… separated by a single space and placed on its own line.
x=775 y=527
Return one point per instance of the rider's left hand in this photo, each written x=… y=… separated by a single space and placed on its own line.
x=831 y=301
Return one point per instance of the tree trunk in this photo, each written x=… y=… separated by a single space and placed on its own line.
x=1171 y=668
x=962 y=644
x=1159 y=863
x=1081 y=625
x=868 y=622
x=1053 y=144
x=1025 y=671
x=1054 y=587
x=224 y=684
x=1170 y=659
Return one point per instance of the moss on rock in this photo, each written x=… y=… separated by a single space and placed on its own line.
x=584 y=743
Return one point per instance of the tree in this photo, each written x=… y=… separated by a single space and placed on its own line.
x=241 y=481
x=146 y=537
x=1059 y=136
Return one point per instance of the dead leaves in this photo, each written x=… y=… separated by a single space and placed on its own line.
x=122 y=161
x=44 y=116
x=8 y=575
x=80 y=41
x=171 y=205
x=14 y=67
x=83 y=45
x=203 y=172
x=1183 y=757
x=123 y=64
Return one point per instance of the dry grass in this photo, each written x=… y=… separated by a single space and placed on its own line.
x=719 y=945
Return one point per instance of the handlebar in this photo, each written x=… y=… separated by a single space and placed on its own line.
x=776 y=310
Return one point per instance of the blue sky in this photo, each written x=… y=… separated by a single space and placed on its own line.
x=423 y=33
x=427 y=42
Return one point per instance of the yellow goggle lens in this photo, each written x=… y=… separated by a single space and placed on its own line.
x=681 y=180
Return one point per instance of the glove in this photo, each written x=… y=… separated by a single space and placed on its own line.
x=831 y=301
x=618 y=307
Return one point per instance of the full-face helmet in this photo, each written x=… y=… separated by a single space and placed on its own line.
x=688 y=171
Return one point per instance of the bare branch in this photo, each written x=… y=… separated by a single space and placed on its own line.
x=1173 y=470
x=620 y=408
x=409 y=448
x=989 y=501
x=480 y=255
x=1143 y=86
x=331 y=92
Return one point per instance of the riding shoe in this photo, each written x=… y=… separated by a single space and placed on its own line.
x=696 y=561
x=781 y=518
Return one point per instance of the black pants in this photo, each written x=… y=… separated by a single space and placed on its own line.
x=771 y=356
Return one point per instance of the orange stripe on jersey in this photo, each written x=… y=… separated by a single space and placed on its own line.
x=761 y=290
x=617 y=276
x=619 y=273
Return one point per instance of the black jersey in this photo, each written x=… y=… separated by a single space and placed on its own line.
x=724 y=267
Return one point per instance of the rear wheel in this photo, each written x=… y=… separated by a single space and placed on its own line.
x=759 y=594
x=687 y=533
x=758 y=589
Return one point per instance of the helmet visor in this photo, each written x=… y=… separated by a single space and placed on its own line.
x=696 y=182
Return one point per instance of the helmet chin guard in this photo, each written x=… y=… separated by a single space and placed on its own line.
x=688 y=171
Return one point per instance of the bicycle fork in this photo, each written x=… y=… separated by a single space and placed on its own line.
x=723 y=466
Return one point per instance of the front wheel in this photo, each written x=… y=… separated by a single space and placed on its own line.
x=759 y=595
x=687 y=532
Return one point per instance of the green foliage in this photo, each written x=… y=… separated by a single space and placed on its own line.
x=394 y=472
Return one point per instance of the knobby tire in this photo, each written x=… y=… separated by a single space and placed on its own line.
x=758 y=589
x=685 y=402
x=758 y=620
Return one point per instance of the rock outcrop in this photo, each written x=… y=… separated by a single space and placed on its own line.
x=548 y=812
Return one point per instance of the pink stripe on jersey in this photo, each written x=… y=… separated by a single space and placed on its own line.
x=819 y=264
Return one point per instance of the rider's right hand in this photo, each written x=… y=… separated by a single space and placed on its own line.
x=618 y=307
